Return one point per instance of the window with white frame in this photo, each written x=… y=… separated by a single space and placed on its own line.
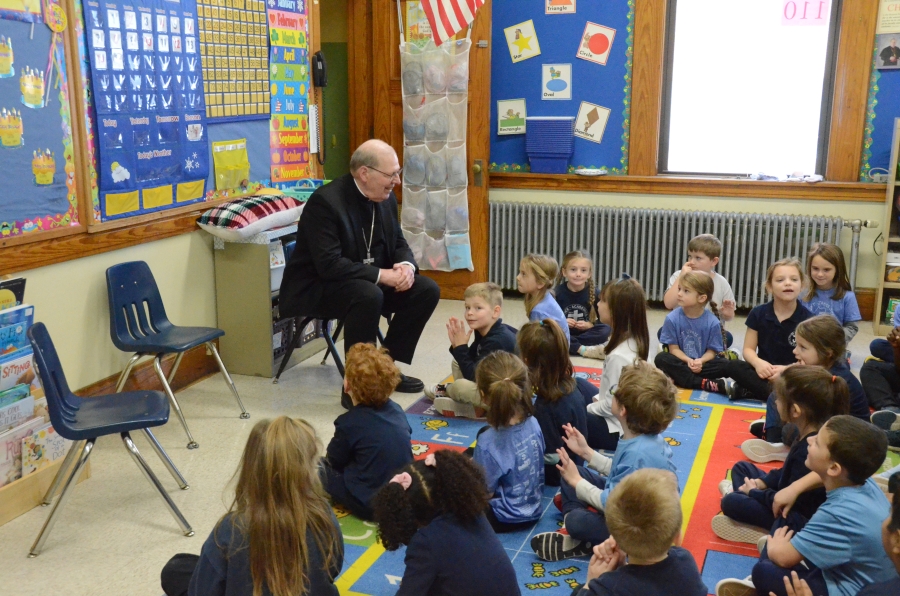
x=747 y=86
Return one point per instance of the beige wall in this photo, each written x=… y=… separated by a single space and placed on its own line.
x=333 y=20
x=869 y=262
x=70 y=298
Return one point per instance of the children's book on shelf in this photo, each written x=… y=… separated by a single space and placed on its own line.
x=11 y=449
x=17 y=314
x=41 y=448
x=17 y=368
x=40 y=408
x=14 y=394
x=17 y=412
x=12 y=337
x=12 y=292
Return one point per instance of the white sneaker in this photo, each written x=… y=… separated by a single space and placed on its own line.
x=761 y=543
x=762 y=451
x=595 y=352
x=453 y=409
x=433 y=391
x=727 y=529
x=726 y=487
x=735 y=587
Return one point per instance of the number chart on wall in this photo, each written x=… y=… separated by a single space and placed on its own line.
x=235 y=54
x=562 y=58
x=37 y=149
x=152 y=146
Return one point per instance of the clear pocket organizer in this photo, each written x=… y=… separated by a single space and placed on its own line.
x=458 y=212
x=416 y=241
x=457 y=171
x=436 y=211
x=412 y=213
x=435 y=254
x=415 y=158
x=459 y=253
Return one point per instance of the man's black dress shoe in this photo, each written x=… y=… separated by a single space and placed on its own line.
x=410 y=385
x=346 y=402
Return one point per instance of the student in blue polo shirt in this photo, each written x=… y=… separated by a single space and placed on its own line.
x=771 y=333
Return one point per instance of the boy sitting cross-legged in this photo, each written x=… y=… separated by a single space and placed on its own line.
x=839 y=550
x=644 y=517
x=644 y=404
x=484 y=303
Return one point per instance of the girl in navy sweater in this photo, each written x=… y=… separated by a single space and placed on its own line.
x=436 y=508
x=279 y=536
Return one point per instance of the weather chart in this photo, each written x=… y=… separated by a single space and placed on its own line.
x=147 y=78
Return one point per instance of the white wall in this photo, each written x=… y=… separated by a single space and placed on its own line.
x=70 y=298
x=869 y=262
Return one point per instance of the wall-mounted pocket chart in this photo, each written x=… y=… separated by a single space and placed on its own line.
x=151 y=143
x=39 y=154
x=563 y=59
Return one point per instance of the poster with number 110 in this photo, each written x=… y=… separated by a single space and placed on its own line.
x=805 y=13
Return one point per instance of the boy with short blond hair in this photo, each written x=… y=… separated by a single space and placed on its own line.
x=839 y=550
x=703 y=255
x=644 y=518
x=484 y=304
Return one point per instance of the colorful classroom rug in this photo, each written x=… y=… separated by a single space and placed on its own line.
x=705 y=438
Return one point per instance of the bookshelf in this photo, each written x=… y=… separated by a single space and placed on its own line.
x=888 y=290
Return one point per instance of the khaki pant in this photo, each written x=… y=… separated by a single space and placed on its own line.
x=463 y=390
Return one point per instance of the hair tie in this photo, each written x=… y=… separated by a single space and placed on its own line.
x=403 y=479
x=541 y=322
x=430 y=460
x=506 y=378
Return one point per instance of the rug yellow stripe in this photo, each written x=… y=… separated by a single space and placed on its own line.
x=362 y=564
x=689 y=402
x=692 y=488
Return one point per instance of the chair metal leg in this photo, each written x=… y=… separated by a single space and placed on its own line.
x=175 y=366
x=63 y=471
x=326 y=334
x=182 y=483
x=212 y=348
x=332 y=349
x=38 y=545
x=124 y=376
x=192 y=444
x=151 y=477
x=296 y=334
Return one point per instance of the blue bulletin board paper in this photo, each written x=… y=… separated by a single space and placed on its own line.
x=882 y=107
x=561 y=38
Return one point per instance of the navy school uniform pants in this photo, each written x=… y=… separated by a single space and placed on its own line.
x=596 y=335
x=684 y=377
x=583 y=523
x=742 y=508
x=769 y=577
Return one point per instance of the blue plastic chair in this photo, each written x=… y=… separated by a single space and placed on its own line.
x=82 y=420
x=138 y=323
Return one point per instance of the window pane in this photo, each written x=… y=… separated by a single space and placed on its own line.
x=746 y=86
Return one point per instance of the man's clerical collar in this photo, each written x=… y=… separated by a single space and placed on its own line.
x=368 y=200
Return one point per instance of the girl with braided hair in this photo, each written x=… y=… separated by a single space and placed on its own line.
x=577 y=296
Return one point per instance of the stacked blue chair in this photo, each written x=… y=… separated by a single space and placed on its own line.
x=549 y=143
x=82 y=420
x=138 y=323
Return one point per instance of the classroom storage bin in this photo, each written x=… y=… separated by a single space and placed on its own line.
x=549 y=143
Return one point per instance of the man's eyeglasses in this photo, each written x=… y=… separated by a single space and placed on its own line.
x=391 y=176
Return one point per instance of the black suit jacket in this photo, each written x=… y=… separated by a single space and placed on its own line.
x=330 y=245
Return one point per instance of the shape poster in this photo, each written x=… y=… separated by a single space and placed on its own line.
x=511 y=117
x=36 y=144
x=147 y=80
x=560 y=7
x=289 y=93
x=591 y=122
x=235 y=57
x=556 y=81
x=596 y=43
x=522 y=41
x=28 y=11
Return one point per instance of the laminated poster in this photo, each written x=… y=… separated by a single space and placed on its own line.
x=511 y=117
x=591 y=122
x=596 y=43
x=560 y=7
x=556 y=81
x=147 y=79
x=27 y=11
x=289 y=84
x=522 y=41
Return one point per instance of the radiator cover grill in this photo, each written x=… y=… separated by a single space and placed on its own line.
x=650 y=244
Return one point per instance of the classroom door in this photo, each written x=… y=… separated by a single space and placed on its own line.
x=376 y=110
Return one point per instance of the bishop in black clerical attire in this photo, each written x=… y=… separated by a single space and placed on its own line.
x=352 y=263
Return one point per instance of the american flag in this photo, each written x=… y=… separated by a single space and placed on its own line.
x=449 y=17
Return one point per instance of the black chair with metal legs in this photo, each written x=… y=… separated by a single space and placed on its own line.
x=82 y=420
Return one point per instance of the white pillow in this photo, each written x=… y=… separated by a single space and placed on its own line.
x=246 y=217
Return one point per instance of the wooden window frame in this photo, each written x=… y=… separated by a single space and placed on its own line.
x=848 y=116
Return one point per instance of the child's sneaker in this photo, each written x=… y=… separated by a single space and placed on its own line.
x=555 y=546
x=762 y=542
x=763 y=451
x=454 y=409
x=758 y=427
x=738 y=393
x=726 y=487
x=714 y=386
x=557 y=499
x=886 y=420
x=434 y=391
x=727 y=529
x=595 y=352
x=735 y=587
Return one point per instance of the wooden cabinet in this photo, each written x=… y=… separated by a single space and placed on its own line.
x=889 y=283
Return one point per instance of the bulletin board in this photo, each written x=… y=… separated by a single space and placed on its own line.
x=563 y=31
x=41 y=170
x=882 y=107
